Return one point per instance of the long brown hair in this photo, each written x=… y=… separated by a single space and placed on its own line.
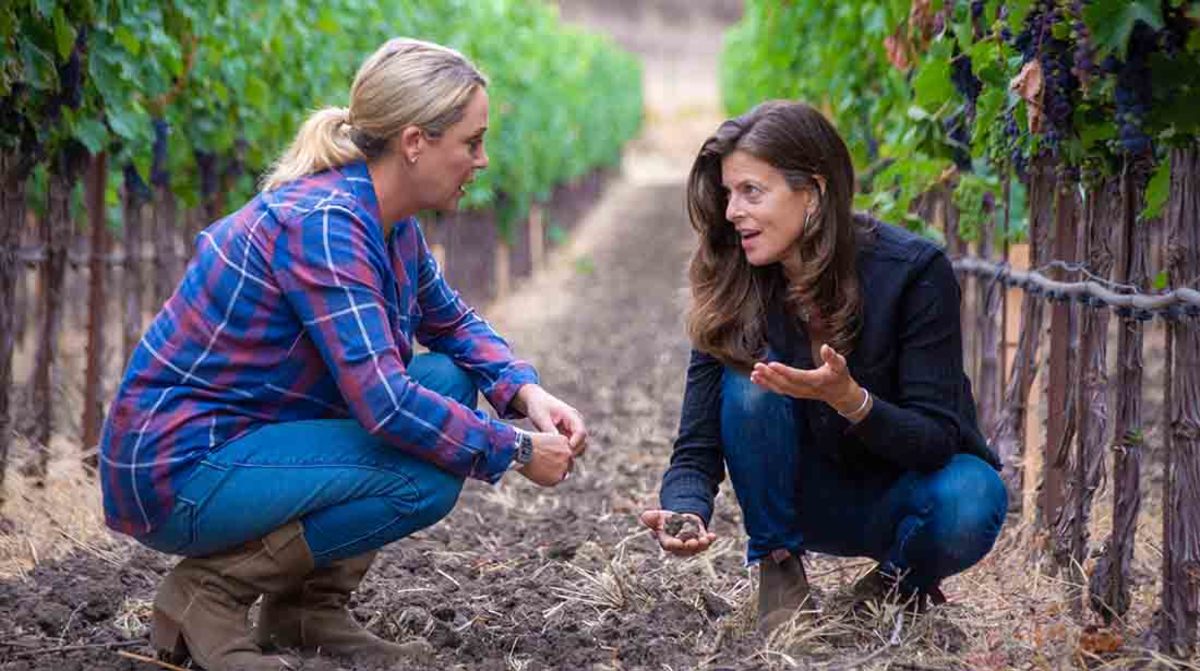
x=729 y=296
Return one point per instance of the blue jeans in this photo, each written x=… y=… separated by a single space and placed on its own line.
x=925 y=525
x=352 y=492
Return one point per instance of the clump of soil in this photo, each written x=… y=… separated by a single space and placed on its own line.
x=683 y=527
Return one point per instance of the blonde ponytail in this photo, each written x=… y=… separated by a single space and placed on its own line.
x=323 y=142
x=406 y=82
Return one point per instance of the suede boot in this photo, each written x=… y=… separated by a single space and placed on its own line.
x=314 y=617
x=782 y=591
x=881 y=585
x=202 y=607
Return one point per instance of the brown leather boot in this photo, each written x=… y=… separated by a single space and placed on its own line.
x=782 y=591
x=880 y=585
x=202 y=607
x=314 y=618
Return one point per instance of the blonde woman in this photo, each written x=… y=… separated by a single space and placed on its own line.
x=273 y=425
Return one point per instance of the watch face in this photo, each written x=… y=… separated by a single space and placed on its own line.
x=525 y=449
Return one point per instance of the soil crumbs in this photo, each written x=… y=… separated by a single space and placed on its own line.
x=523 y=578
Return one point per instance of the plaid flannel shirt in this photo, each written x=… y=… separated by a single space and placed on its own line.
x=295 y=307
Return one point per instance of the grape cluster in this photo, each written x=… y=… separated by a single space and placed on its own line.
x=958 y=125
x=1085 y=55
x=70 y=79
x=958 y=136
x=1012 y=135
x=1133 y=92
x=206 y=164
x=964 y=79
x=135 y=186
x=159 y=174
x=1056 y=56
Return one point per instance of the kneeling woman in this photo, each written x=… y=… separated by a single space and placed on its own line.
x=274 y=426
x=826 y=374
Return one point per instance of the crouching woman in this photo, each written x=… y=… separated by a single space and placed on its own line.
x=826 y=374
x=274 y=425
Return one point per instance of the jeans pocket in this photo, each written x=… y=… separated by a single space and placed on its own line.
x=177 y=533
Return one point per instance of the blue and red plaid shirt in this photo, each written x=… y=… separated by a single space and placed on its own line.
x=295 y=307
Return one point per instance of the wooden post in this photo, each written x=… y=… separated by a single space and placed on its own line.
x=1109 y=585
x=1009 y=433
x=1061 y=369
x=56 y=232
x=1181 y=521
x=503 y=276
x=97 y=180
x=987 y=328
x=132 y=277
x=1091 y=398
x=165 y=255
x=12 y=222
x=537 y=237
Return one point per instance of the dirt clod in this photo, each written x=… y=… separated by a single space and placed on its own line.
x=683 y=527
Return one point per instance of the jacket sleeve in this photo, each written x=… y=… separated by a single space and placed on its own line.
x=697 y=463
x=331 y=272
x=449 y=326
x=919 y=429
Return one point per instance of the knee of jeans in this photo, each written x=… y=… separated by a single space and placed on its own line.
x=743 y=398
x=968 y=512
x=437 y=372
x=438 y=493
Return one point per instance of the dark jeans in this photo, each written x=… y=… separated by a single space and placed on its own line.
x=928 y=525
x=352 y=492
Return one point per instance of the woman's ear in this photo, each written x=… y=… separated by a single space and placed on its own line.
x=411 y=142
x=820 y=180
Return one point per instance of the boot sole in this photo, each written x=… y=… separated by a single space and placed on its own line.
x=166 y=637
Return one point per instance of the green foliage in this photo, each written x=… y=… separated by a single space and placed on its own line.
x=883 y=72
x=235 y=78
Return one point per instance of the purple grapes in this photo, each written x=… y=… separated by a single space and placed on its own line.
x=1132 y=94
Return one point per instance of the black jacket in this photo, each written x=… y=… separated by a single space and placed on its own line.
x=908 y=355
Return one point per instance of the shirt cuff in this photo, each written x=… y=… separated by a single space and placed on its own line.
x=501 y=394
x=492 y=466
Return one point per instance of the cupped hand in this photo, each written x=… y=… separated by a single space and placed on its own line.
x=830 y=383
x=551 y=415
x=656 y=521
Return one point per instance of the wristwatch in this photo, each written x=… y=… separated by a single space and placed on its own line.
x=524 y=449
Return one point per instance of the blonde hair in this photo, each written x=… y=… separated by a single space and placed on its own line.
x=406 y=82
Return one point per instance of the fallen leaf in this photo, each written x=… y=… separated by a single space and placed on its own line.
x=1030 y=84
x=1098 y=640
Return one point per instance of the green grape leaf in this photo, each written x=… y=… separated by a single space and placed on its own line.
x=1157 y=191
x=931 y=83
x=92 y=134
x=1112 y=21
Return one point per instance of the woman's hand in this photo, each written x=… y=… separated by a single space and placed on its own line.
x=550 y=415
x=830 y=383
x=656 y=521
x=552 y=460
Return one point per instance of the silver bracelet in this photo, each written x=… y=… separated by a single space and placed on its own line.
x=854 y=413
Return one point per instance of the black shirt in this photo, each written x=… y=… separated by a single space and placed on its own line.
x=908 y=355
